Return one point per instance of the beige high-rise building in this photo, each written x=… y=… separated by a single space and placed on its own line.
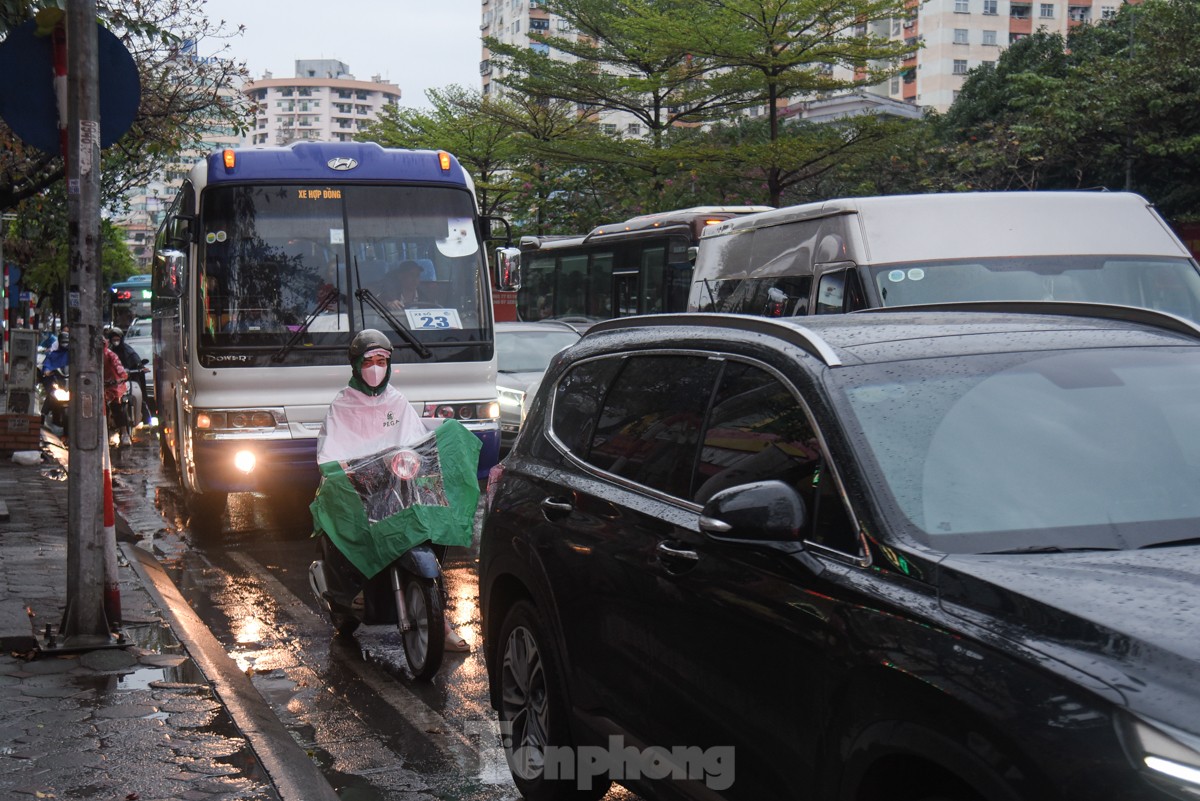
x=323 y=102
x=960 y=35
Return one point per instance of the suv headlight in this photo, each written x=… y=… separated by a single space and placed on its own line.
x=1166 y=754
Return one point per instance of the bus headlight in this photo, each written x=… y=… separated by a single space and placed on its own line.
x=244 y=461
x=456 y=410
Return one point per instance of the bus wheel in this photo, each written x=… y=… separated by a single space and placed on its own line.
x=205 y=511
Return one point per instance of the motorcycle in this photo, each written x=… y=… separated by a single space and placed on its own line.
x=56 y=396
x=407 y=594
x=131 y=405
x=393 y=493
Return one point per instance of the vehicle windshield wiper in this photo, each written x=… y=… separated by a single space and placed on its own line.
x=327 y=296
x=400 y=328
x=1173 y=543
x=1052 y=549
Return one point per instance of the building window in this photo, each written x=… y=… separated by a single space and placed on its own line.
x=1016 y=37
x=960 y=36
x=989 y=38
x=960 y=66
x=989 y=7
x=517 y=26
x=539 y=24
x=895 y=87
x=1047 y=11
x=896 y=26
x=987 y=65
x=954 y=96
x=633 y=129
x=608 y=127
x=1108 y=12
x=961 y=6
x=564 y=25
x=1019 y=11
x=1079 y=13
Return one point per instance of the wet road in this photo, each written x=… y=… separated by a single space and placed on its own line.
x=376 y=732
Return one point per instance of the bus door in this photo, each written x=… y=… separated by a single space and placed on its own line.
x=625 y=292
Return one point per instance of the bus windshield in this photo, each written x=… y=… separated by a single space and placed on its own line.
x=287 y=260
x=1161 y=283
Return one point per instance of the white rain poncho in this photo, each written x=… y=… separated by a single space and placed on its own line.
x=360 y=424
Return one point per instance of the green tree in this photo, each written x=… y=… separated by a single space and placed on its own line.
x=456 y=122
x=770 y=51
x=183 y=96
x=1115 y=105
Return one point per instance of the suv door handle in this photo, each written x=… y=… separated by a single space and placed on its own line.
x=554 y=508
x=668 y=551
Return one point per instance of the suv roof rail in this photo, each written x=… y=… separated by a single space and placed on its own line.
x=781 y=328
x=1107 y=311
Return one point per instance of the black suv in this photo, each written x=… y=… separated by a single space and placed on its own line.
x=904 y=555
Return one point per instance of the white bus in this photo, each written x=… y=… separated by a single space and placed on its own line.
x=269 y=261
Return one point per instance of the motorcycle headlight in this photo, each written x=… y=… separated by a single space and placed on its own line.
x=1166 y=754
x=61 y=395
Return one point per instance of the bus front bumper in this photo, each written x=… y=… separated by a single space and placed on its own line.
x=273 y=465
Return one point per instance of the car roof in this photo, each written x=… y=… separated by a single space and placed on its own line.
x=896 y=333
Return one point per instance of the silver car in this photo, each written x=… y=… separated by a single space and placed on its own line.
x=523 y=351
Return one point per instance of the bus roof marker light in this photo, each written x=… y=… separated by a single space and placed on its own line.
x=444 y=160
x=229 y=157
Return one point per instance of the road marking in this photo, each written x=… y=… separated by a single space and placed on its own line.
x=452 y=743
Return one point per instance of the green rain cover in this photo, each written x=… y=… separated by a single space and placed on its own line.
x=380 y=506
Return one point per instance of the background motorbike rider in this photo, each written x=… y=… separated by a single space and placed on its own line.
x=132 y=363
x=58 y=358
x=364 y=418
x=115 y=388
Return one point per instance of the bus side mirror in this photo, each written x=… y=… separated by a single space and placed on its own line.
x=180 y=231
x=508 y=269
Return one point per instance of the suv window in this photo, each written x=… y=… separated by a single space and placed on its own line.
x=577 y=402
x=649 y=427
x=757 y=431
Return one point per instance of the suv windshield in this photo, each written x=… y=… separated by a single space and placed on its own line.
x=1060 y=450
x=1166 y=284
x=275 y=258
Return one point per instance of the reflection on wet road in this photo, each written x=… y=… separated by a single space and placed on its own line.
x=375 y=732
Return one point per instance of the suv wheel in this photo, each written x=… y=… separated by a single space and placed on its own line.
x=533 y=710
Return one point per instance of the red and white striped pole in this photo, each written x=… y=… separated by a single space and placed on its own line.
x=112 y=583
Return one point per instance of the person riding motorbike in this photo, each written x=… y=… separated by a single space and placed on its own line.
x=56 y=360
x=132 y=363
x=115 y=379
x=366 y=417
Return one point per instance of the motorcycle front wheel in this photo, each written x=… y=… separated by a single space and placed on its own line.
x=425 y=639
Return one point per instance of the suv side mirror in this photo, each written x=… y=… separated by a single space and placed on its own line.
x=508 y=269
x=768 y=511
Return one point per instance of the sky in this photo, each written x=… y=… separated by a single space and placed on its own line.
x=415 y=44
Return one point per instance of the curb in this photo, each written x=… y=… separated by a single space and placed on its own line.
x=295 y=776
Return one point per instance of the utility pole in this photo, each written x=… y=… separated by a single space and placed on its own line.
x=84 y=620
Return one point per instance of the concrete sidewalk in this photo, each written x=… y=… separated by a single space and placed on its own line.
x=168 y=716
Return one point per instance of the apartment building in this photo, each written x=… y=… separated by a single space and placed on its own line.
x=321 y=102
x=960 y=35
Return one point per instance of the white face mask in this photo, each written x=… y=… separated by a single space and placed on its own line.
x=374 y=374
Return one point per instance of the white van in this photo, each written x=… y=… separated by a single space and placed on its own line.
x=843 y=255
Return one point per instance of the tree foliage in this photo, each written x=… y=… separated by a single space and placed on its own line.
x=183 y=98
x=1116 y=104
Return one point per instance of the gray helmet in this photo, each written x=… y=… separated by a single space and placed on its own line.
x=368 y=339
x=114 y=331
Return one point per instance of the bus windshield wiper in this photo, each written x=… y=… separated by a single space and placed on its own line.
x=328 y=295
x=400 y=328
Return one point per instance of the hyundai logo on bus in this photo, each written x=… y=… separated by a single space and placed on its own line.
x=342 y=163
